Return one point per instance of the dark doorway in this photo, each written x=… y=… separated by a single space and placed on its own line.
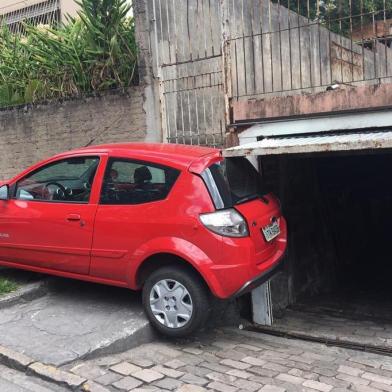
x=358 y=196
x=339 y=264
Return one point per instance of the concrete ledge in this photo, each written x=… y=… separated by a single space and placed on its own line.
x=27 y=292
x=137 y=335
x=73 y=321
x=346 y=99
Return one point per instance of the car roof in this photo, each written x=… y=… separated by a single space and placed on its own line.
x=178 y=154
x=194 y=158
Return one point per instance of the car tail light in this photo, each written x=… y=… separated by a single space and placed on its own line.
x=228 y=223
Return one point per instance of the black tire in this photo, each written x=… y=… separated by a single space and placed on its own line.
x=198 y=292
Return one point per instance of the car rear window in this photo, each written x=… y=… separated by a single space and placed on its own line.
x=232 y=181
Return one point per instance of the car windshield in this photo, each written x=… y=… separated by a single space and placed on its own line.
x=233 y=181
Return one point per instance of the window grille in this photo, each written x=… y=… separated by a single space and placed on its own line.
x=44 y=13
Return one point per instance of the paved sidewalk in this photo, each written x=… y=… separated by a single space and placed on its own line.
x=74 y=320
x=233 y=360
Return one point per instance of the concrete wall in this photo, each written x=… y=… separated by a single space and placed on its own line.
x=180 y=44
x=143 y=16
x=344 y=99
x=205 y=55
x=29 y=134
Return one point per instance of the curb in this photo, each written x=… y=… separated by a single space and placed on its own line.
x=26 y=364
x=60 y=377
x=343 y=342
x=27 y=292
x=144 y=335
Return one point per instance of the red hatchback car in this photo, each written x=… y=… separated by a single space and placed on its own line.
x=179 y=222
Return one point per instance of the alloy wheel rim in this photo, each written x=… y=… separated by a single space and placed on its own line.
x=171 y=304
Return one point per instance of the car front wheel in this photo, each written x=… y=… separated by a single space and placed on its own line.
x=176 y=301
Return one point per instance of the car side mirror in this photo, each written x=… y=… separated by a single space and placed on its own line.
x=4 y=192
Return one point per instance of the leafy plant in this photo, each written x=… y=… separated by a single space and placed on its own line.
x=92 y=52
x=6 y=286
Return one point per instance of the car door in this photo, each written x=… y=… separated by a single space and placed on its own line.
x=130 y=213
x=48 y=221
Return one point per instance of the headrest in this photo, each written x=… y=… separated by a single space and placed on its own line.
x=142 y=174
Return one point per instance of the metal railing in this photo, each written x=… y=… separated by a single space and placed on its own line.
x=187 y=49
x=283 y=46
x=194 y=109
x=44 y=13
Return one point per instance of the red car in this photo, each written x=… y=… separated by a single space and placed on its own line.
x=179 y=222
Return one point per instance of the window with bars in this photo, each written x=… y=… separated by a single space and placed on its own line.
x=44 y=13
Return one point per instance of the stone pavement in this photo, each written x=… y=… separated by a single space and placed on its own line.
x=74 y=320
x=375 y=334
x=231 y=360
x=362 y=319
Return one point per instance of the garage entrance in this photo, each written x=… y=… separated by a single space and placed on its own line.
x=336 y=284
x=339 y=209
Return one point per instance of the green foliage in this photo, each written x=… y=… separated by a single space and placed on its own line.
x=6 y=286
x=93 y=52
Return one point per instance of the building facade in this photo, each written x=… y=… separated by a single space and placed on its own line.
x=13 y=13
x=304 y=91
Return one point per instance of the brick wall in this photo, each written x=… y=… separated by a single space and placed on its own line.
x=29 y=134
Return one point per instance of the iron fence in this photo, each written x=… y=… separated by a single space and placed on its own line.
x=194 y=109
x=44 y=13
x=187 y=48
x=282 y=46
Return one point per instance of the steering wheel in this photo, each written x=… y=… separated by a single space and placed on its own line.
x=60 y=192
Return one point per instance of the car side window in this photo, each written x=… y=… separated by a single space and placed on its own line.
x=135 y=182
x=68 y=180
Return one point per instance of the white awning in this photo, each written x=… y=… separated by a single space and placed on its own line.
x=364 y=140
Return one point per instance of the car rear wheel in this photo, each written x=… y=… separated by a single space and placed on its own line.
x=176 y=301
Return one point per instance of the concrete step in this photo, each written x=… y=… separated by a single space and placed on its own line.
x=75 y=320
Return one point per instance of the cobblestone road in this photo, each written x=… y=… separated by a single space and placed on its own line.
x=231 y=361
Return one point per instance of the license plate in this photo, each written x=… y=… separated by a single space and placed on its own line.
x=271 y=231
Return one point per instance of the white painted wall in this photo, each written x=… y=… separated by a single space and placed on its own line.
x=68 y=7
x=7 y=6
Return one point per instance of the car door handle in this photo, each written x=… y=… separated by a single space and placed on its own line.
x=73 y=217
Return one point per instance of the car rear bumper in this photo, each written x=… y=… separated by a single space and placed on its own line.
x=259 y=280
x=244 y=269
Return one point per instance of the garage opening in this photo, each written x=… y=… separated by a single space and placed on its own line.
x=337 y=281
